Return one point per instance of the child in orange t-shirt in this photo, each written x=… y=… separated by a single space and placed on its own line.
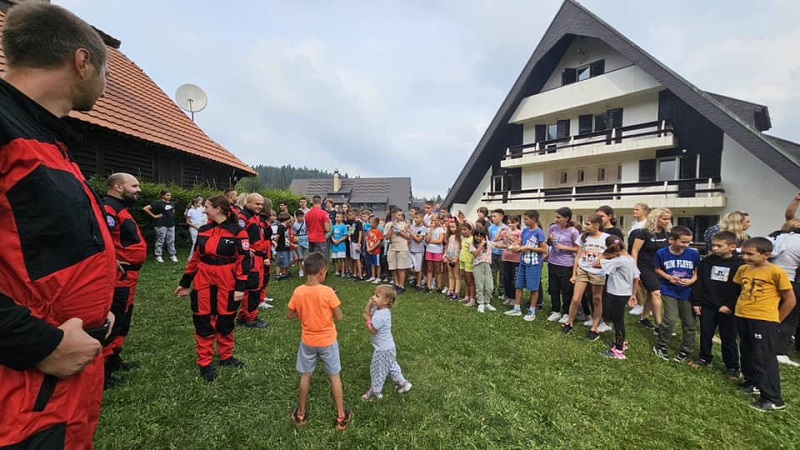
x=317 y=306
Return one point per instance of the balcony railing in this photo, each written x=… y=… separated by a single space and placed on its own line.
x=687 y=188
x=612 y=136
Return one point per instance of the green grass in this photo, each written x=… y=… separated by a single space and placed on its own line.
x=480 y=381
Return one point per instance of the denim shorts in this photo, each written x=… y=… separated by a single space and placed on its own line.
x=308 y=356
x=284 y=259
x=529 y=276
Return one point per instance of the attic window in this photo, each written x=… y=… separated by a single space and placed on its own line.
x=582 y=73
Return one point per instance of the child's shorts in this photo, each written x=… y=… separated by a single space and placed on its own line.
x=415 y=261
x=374 y=260
x=299 y=253
x=529 y=276
x=355 y=251
x=435 y=257
x=339 y=255
x=466 y=266
x=284 y=260
x=591 y=278
x=308 y=356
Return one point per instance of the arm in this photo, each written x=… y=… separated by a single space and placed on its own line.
x=791 y=209
x=337 y=314
x=788 y=302
x=479 y=248
x=637 y=247
x=291 y=314
x=578 y=256
x=634 y=301
x=149 y=211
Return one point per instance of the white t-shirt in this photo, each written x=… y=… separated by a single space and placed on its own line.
x=621 y=272
x=591 y=251
x=413 y=245
x=197 y=216
x=436 y=234
x=789 y=258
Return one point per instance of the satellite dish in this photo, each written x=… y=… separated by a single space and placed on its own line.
x=191 y=98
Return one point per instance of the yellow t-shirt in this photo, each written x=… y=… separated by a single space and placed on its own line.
x=761 y=288
x=466 y=256
x=314 y=306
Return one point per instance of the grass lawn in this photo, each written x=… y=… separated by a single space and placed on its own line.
x=480 y=381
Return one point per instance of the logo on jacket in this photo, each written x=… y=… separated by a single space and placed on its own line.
x=245 y=245
x=241 y=223
x=111 y=222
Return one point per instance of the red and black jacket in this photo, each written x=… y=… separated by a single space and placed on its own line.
x=221 y=258
x=129 y=244
x=56 y=259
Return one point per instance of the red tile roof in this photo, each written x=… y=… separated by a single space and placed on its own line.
x=135 y=106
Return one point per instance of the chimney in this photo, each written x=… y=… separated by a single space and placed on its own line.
x=337 y=181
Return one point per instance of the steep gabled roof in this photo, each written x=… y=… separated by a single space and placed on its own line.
x=389 y=190
x=135 y=106
x=574 y=20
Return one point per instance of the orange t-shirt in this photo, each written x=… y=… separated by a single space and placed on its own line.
x=314 y=306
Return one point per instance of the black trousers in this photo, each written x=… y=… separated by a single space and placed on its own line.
x=758 y=348
x=615 y=306
x=788 y=327
x=710 y=319
x=560 y=288
x=510 y=278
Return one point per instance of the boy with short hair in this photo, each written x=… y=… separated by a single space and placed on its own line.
x=677 y=265
x=497 y=226
x=766 y=300
x=317 y=306
x=532 y=248
x=374 y=247
x=356 y=236
x=282 y=245
x=339 y=238
x=301 y=232
x=714 y=298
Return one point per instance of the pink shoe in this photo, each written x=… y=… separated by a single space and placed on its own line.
x=470 y=303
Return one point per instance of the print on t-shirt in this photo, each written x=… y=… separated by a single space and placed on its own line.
x=720 y=273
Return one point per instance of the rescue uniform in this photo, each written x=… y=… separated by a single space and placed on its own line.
x=56 y=262
x=254 y=227
x=131 y=249
x=219 y=267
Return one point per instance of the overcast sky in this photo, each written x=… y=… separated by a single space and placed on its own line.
x=407 y=87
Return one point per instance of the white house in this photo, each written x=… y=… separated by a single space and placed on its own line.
x=594 y=120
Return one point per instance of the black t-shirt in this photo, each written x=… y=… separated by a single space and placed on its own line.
x=355 y=228
x=281 y=243
x=614 y=231
x=168 y=211
x=652 y=244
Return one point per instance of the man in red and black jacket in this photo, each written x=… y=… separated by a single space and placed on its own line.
x=57 y=263
x=250 y=220
x=131 y=251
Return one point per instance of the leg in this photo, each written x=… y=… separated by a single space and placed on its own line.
x=193 y=234
x=395 y=372
x=577 y=298
x=224 y=330
x=554 y=287
x=338 y=393
x=745 y=350
x=161 y=234
x=204 y=337
x=509 y=279
x=655 y=302
x=563 y=273
x=728 y=333
x=171 y=241
x=401 y=277
x=379 y=370
x=786 y=330
x=304 y=389
x=668 y=322
x=481 y=281
x=597 y=303
x=617 y=311
x=764 y=347
x=708 y=324
x=688 y=326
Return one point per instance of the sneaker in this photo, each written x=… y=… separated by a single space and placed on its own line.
x=592 y=335
x=636 y=311
x=515 y=312
x=489 y=307
x=173 y=258
x=258 y=323
x=370 y=395
x=699 y=363
x=580 y=317
x=231 y=362
x=531 y=316
x=588 y=322
x=301 y=274
x=481 y=308
x=564 y=319
x=470 y=303
x=733 y=374
x=749 y=388
x=264 y=305
x=208 y=373
x=655 y=331
x=376 y=281
x=268 y=299
x=343 y=422
x=613 y=353
x=299 y=419
x=566 y=329
x=647 y=324
x=159 y=259
x=404 y=388
x=661 y=353
x=681 y=357
x=445 y=291
x=603 y=327
x=553 y=317
x=767 y=406
x=783 y=359
x=509 y=302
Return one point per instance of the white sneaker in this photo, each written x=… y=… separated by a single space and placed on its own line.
x=300 y=274
x=513 y=312
x=636 y=310
x=588 y=322
x=159 y=259
x=376 y=281
x=264 y=305
x=554 y=317
x=603 y=327
x=404 y=388
x=784 y=359
x=489 y=307
x=564 y=319
x=445 y=291
x=173 y=258
x=531 y=316
x=481 y=308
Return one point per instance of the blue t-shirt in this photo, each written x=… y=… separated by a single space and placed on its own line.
x=531 y=238
x=338 y=232
x=494 y=231
x=681 y=266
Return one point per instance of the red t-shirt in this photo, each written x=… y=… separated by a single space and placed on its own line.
x=315 y=224
x=374 y=237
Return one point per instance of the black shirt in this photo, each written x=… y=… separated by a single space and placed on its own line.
x=652 y=244
x=168 y=211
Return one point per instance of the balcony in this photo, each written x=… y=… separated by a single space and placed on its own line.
x=688 y=193
x=623 y=82
x=649 y=136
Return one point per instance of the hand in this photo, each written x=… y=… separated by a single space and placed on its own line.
x=724 y=310
x=673 y=280
x=633 y=301
x=75 y=351
x=158 y=216
x=267 y=262
x=797 y=197
x=697 y=310
x=122 y=267
x=684 y=282
x=181 y=291
x=573 y=279
x=238 y=296
x=111 y=319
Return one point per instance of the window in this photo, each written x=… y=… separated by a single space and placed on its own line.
x=513 y=181
x=558 y=130
x=552 y=132
x=570 y=75
x=497 y=183
x=585 y=124
x=584 y=73
x=600 y=122
x=667 y=169
x=619 y=172
x=601 y=174
x=608 y=120
x=563 y=177
x=581 y=176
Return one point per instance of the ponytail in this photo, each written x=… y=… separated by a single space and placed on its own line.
x=222 y=202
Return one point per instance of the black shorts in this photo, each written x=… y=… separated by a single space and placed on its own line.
x=649 y=279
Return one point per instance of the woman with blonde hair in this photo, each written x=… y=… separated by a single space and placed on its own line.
x=646 y=242
x=737 y=222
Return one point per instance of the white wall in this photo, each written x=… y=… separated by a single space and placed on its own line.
x=752 y=186
x=594 y=50
x=474 y=201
